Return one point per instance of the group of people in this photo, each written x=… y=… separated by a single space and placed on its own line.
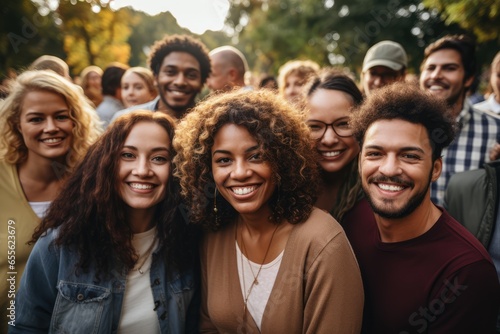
x=307 y=209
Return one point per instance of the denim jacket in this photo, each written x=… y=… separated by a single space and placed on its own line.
x=53 y=298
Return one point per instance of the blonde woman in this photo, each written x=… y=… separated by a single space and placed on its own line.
x=138 y=86
x=292 y=76
x=46 y=126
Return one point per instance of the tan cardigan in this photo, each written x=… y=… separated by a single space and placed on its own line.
x=318 y=288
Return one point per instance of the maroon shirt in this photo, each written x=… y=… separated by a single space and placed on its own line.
x=440 y=282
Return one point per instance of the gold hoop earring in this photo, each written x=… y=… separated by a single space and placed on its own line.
x=215 y=201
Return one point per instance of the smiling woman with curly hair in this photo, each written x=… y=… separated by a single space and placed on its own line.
x=249 y=176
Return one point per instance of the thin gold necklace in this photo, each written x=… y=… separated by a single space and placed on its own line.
x=146 y=256
x=255 y=280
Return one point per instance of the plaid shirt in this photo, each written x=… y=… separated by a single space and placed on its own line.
x=469 y=150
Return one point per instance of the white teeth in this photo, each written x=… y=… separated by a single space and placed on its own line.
x=330 y=154
x=175 y=92
x=141 y=186
x=243 y=191
x=390 y=187
x=52 y=140
x=435 y=87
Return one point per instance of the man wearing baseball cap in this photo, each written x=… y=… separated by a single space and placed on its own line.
x=384 y=63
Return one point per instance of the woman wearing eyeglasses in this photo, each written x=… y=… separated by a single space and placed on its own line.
x=330 y=98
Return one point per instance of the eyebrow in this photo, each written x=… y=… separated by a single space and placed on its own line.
x=155 y=149
x=41 y=113
x=250 y=149
x=403 y=149
x=317 y=120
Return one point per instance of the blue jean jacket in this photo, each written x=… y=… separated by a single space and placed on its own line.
x=52 y=298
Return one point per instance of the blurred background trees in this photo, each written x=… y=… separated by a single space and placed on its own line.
x=268 y=32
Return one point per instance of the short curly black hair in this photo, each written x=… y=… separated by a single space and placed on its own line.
x=182 y=43
x=409 y=103
x=278 y=128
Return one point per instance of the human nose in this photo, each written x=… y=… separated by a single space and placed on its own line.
x=180 y=79
x=330 y=136
x=436 y=73
x=390 y=166
x=142 y=168
x=50 y=125
x=241 y=170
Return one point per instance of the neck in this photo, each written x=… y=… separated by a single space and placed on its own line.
x=140 y=220
x=42 y=170
x=175 y=114
x=457 y=107
x=417 y=223
x=256 y=225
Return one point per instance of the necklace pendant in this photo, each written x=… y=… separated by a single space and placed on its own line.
x=255 y=281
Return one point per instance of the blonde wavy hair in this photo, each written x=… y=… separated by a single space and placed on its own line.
x=277 y=127
x=87 y=126
x=302 y=68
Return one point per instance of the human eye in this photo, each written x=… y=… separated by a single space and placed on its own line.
x=256 y=156
x=192 y=75
x=160 y=159
x=314 y=126
x=127 y=155
x=411 y=157
x=169 y=71
x=222 y=161
x=62 y=117
x=35 y=119
x=344 y=124
x=373 y=154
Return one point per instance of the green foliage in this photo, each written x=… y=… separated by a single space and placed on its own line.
x=480 y=16
x=94 y=38
x=268 y=32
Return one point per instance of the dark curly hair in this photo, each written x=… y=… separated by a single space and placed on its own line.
x=90 y=213
x=278 y=128
x=181 y=43
x=409 y=103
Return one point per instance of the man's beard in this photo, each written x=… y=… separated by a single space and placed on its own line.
x=404 y=211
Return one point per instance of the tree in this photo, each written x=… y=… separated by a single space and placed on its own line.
x=94 y=38
x=25 y=35
x=480 y=16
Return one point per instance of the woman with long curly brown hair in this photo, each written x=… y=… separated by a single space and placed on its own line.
x=113 y=253
x=270 y=261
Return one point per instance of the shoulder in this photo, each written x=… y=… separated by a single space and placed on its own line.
x=318 y=232
x=320 y=224
x=486 y=115
x=464 y=181
x=151 y=105
x=459 y=243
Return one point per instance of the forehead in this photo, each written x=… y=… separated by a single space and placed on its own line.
x=181 y=60
x=146 y=133
x=381 y=69
x=396 y=134
x=444 y=56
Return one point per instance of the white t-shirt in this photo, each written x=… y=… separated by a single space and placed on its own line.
x=39 y=208
x=258 y=297
x=138 y=315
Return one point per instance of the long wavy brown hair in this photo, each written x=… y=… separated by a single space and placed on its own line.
x=283 y=136
x=90 y=214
